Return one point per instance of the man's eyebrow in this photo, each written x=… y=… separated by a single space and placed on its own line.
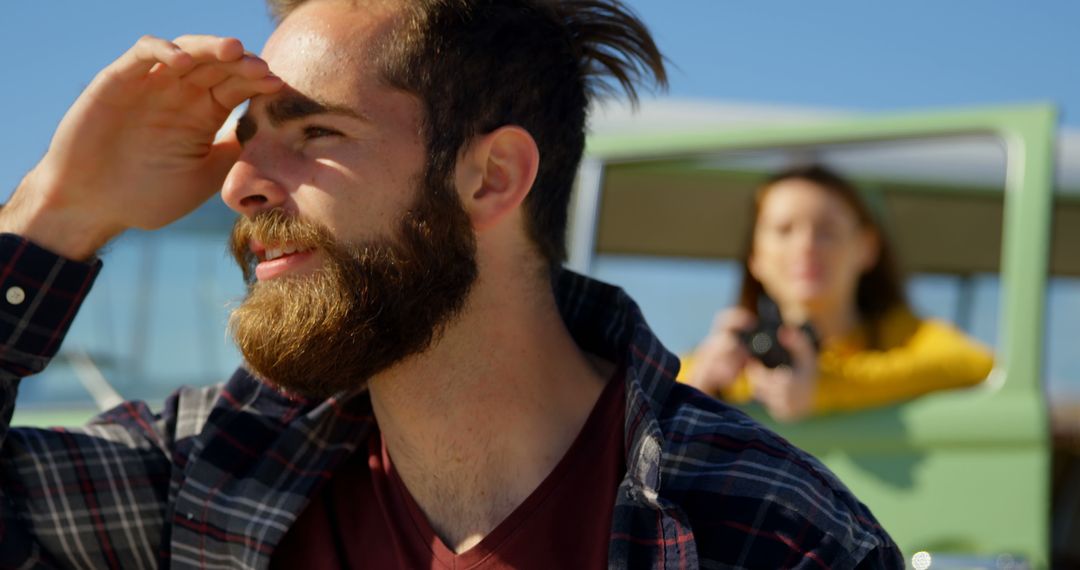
x=294 y=106
x=245 y=128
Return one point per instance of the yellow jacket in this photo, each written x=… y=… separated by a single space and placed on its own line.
x=919 y=356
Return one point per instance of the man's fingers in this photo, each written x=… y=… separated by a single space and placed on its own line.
x=206 y=49
x=147 y=53
x=211 y=48
x=236 y=90
x=211 y=74
x=222 y=156
x=153 y=54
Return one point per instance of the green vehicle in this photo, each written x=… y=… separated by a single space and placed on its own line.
x=961 y=477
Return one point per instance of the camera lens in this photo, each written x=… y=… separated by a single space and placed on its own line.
x=761 y=343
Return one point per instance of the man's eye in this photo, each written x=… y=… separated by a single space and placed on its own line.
x=315 y=132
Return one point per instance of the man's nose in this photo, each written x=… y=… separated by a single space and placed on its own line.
x=250 y=188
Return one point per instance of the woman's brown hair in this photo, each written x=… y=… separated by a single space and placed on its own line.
x=879 y=290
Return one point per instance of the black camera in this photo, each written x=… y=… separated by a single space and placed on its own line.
x=762 y=341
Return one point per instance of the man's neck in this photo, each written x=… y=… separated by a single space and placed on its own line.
x=477 y=422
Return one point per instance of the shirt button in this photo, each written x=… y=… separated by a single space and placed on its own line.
x=15 y=295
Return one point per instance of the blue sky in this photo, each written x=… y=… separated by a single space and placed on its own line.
x=849 y=54
x=872 y=55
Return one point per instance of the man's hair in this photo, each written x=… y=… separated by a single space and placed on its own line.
x=477 y=65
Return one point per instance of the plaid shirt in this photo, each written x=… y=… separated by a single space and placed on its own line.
x=216 y=478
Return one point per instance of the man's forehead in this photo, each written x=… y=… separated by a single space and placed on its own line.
x=323 y=51
x=295 y=52
x=332 y=27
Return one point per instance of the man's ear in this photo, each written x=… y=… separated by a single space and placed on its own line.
x=496 y=173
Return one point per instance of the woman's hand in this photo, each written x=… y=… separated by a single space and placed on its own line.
x=720 y=358
x=137 y=148
x=787 y=393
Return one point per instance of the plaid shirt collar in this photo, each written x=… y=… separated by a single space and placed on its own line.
x=684 y=451
x=602 y=319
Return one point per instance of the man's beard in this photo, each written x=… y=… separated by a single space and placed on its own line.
x=368 y=306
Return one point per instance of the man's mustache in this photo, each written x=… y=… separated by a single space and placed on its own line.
x=274 y=228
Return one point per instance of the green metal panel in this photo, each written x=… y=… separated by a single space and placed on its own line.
x=963 y=472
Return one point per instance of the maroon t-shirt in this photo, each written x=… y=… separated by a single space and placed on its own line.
x=367 y=516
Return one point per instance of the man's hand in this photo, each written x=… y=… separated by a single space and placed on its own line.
x=787 y=393
x=137 y=148
x=720 y=358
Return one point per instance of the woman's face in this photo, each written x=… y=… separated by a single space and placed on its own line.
x=809 y=248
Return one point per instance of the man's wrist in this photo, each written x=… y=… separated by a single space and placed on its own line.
x=67 y=233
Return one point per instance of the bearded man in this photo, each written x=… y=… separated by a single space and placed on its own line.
x=424 y=386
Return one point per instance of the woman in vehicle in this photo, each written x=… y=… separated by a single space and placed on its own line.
x=816 y=256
